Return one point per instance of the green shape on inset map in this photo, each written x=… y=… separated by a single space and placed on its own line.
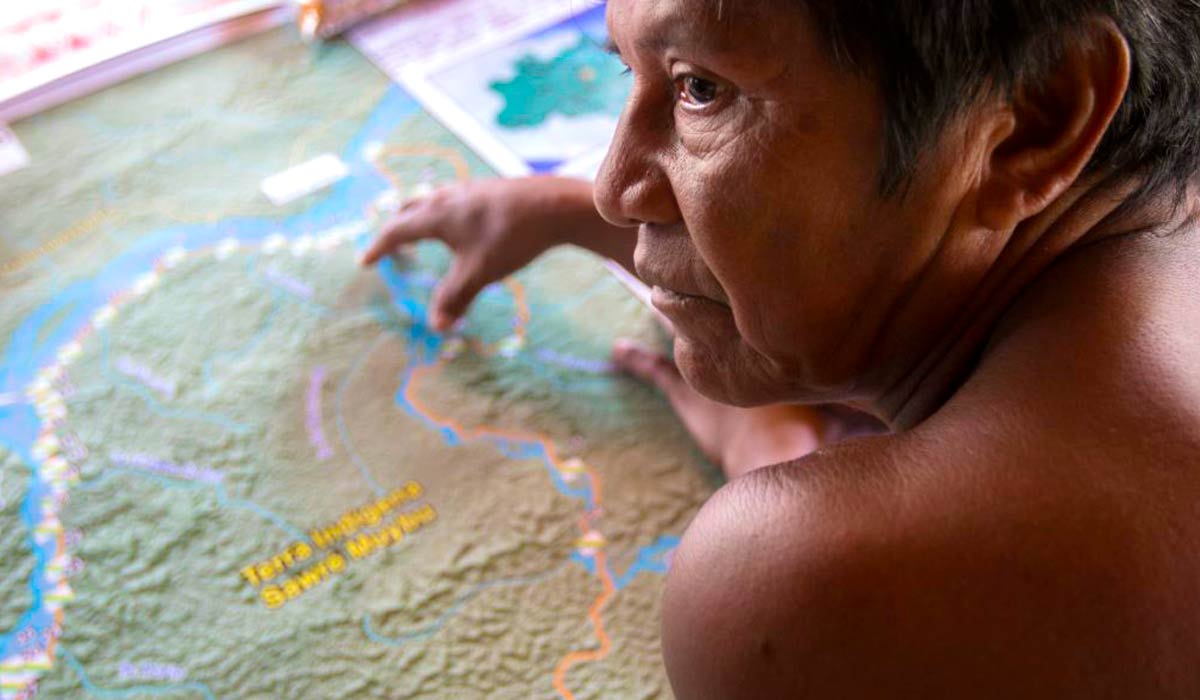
x=581 y=81
x=234 y=465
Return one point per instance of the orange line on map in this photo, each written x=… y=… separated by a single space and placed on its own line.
x=520 y=330
x=586 y=656
x=58 y=622
x=579 y=657
x=522 y=303
x=70 y=234
x=462 y=171
x=594 y=612
x=479 y=432
x=597 y=493
x=596 y=609
x=519 y=299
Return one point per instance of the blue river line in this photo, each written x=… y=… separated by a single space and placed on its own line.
x=651 y=559
x=433 y=627
x=223 y=498
x=131 y=691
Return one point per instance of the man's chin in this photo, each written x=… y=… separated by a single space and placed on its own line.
x=721 y=375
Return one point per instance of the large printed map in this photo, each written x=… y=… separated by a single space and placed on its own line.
x=233 y=465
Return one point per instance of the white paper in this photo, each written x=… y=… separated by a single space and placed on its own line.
x=304 y=179
x=426 y=31
x=118 y=58
x=13 y=155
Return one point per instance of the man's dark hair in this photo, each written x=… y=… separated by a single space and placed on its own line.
x=933 y=57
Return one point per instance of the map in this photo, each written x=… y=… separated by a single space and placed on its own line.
x=235 y=465
x=542 y=102
x=587 y=83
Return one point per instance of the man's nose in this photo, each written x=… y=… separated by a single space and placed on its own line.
x=633 y=186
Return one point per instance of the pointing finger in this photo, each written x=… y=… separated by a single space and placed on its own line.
x=454 y=294
x=402 y=229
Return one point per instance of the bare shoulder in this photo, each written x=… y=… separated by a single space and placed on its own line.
x=927 y=565
x=1037 y=537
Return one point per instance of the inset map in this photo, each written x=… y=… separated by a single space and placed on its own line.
x=547 y=102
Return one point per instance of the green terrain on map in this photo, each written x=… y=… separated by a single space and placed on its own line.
x=257 y=392
x=18 y=561
x=581 y=80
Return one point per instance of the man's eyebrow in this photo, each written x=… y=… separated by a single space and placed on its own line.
x=657 y=44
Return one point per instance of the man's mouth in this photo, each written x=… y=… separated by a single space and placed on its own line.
x=672 y=288
x=669 y=300
x=667 y=262
x=670 y=295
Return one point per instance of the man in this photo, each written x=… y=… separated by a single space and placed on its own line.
x=975 y=221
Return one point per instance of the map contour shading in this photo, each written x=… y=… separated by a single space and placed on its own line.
x=235 y=465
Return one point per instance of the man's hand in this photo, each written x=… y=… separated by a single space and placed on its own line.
x=494 y=228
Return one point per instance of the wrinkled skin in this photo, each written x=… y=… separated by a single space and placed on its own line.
x=1028 y=526
x=760 y=219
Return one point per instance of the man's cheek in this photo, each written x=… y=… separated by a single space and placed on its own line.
x=715 y=144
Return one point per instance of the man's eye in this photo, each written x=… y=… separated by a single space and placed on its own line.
x=697 y=92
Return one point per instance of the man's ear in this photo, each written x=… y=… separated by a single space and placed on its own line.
x=1053 y=125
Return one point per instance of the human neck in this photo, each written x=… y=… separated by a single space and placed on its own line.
x=1086 y=215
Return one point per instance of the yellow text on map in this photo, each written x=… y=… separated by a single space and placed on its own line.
x=276 y=595
x=392 y=533
x=289 y=574
x=365 y=517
